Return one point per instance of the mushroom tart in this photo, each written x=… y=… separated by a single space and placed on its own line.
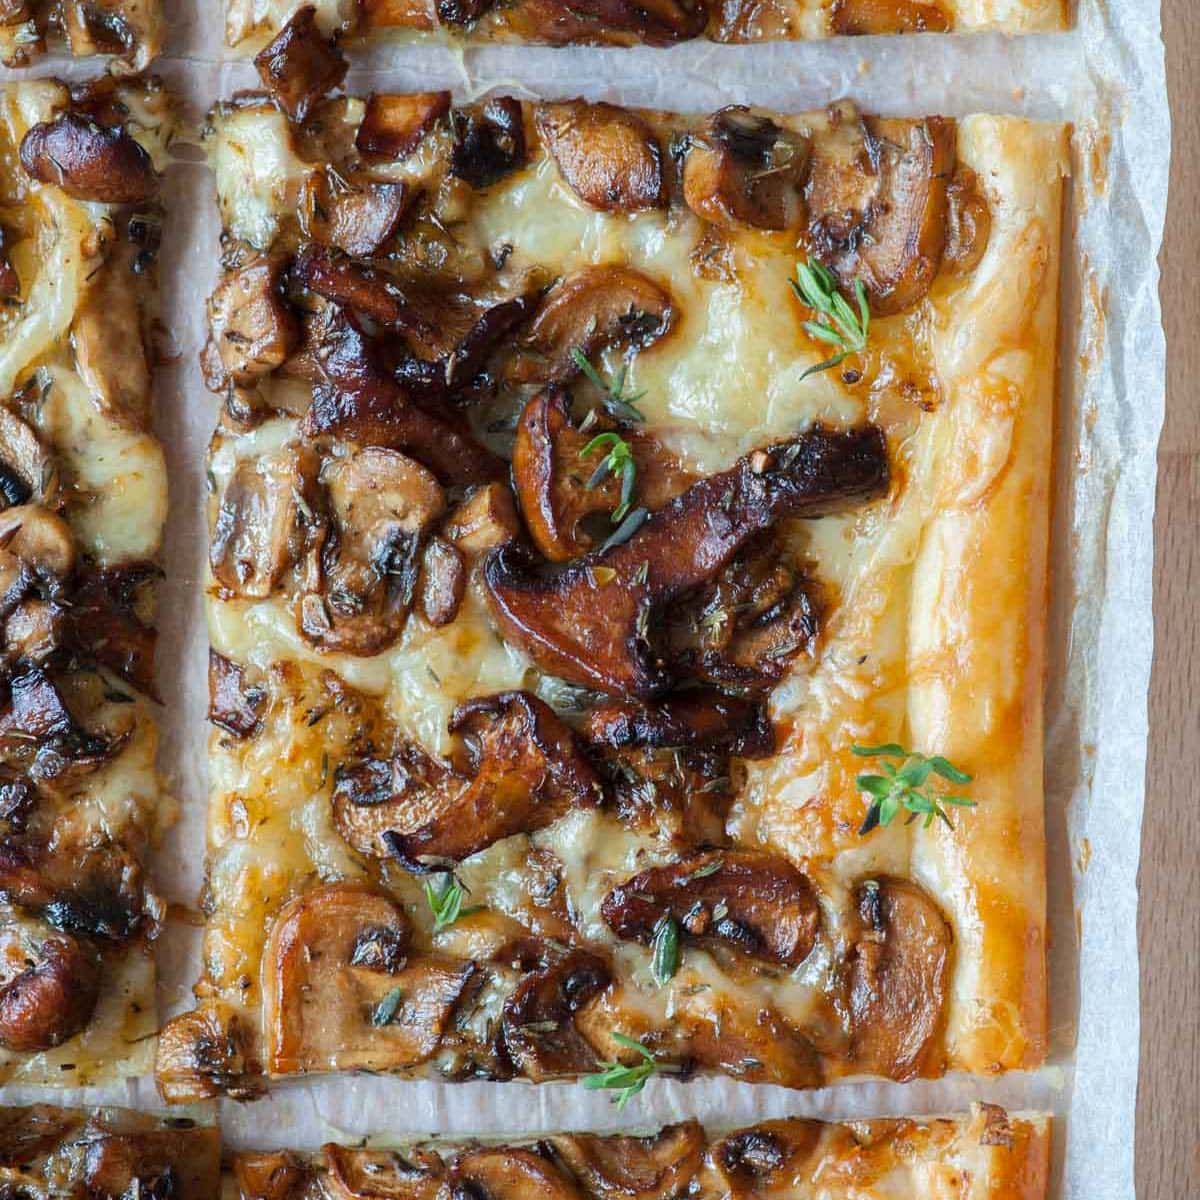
x=628 y=537
x=82 y=503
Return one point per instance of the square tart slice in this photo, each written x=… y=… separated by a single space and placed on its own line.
x=559 y=581
x=83 y=498
x=987 y=1155
x=131 y=32
x=289 y=31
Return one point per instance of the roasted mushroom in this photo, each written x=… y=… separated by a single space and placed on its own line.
x=252 y=332
x=39 y=720
x=27 y=468
x=899 y=976
x=523 y=771
x=489 y=141
x=607 y=22
x=658 y=1167
x=443 y=582
x=755 y=903
x=89 y=161
x=127 y=28
x=360 y=219
x=969 y=223
x=104 y=622
x=299 y=66
x=877 y=204
x=608 y=156
x=380 y=505
x=748 y=1040
x=383 y=1174
x=49 y=985
x=590 y=310
x=232 y=705
x=507 y=1173
x=591 y=626
x=179 y=1163
x=329 y=1006
x=765 y=1160
x=394 y=126
x=270 y=1175
x=487 y=518
x=205 y=1053
x=888 y=16
x=742 y=169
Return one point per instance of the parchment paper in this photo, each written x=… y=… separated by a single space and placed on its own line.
x=1107 y=77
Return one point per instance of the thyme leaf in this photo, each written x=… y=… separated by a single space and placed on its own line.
x=627 y=1081
x=837 y=324
x=904 y=786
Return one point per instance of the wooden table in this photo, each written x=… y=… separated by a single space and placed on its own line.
x=1168 y=1123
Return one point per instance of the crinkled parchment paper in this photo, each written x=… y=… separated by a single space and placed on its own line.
x=1106 y=76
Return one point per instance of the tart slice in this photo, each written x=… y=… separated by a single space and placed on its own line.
x=628 y=546
x=82 y=504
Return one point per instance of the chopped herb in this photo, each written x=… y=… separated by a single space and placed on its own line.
x=623 y=407
x=618 y=461
x=664 y=959
x=709 y=868
x=902 y=786
x=384 y=1013
x=115 y=697
x=445 y=901
x=628 y=1081
x=627 y=528
x=837 y=324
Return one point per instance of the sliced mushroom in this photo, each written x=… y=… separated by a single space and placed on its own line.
x=899 y=977
x=299 y=65
x=742 y=169
x=27 y=467
x=765 y=1160
x=877 y=204
x=524 y=771
x=749 y=1041
x=593 y=629
x=538 y=1024
x=755 y=903
x=89 y=161
x=161 y=1163
x=968 y=221
x=888 y=16
x=359 y=400
x=384 y=1174
x=443 y=582
x=489 y=141
x=104 y=625
x=263 y=522
x=509 y=1173
x=37 y=545
x=205 y=1053
x=360 y=218
x=592 y=309
x=394 y=126
x=270 y=1175
x=659 y=1167
x=127 y=28
x=609 y=156
x=608 y=22
x=487 y=518
x=232 y=705
x=49 y=985
x=252 y=332
x=381 y=505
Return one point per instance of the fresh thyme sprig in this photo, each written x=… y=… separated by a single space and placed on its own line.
x=900 y=787
x=618 y=461
x=837 y=324
x=664 y=951
x=628 y=1081
x=446 y=901
x=612 y=396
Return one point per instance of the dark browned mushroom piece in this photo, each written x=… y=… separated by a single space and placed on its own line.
x=270 y=1175
x=969 y=223
x=380 y=507
x=105 y=625
x=608 y=156
x=48 y=988
x=203 y=1053
x=443 y=582
x=523 y=771
x=359 y=218
x=181 y=1162
x=743 y=169
x=233 y=705
x=877 y=204
x=538 y=1022
x=658 y=1167
x=489 y=141
x=252 y=332
x=593 y=628
x=354 y=1174
x=899 y=976
x=487 y=518
x=762 y=1161
x=590 y=310
x=888 y=16
x=300 y=65
x=394 y=126
x=89 y=161
x=133 y=31
x=755 y=903
x=508 y=1173
x=27 y=468
x=608 y=22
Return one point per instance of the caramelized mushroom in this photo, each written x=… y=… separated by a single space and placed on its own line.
x=27 y=468
x=489 y=141
x=749 y=1041
x=744 y=169
x=609 y=156
x=204 y=1053
x=270 y=1175
x=509 y=1173
x=394 y=126
x=888 y=16
x=37 y=543
x=592 y=309
x=745 y=900
x=877 y=204
x=324 y=1010
x=538 y=1023
x=299 y=65
x=49 y=985
x=38 y=714
x=232 y=705
x=132 y=30
x=381 y=505
x=359 y=220
x=608 y=22
x=487 y=518
x=252 y=332
x=105 y=627
x=383 y=1174
x=165 y=1163
x=899 y=974
x=659 y=1167
x=524 y=771
x=968 y=223
x=592 y=629
x=89 y=161
x=765 y=1160
x=443 y=582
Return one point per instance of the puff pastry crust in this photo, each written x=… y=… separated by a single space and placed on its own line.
x=84 y=500
x=404 y=282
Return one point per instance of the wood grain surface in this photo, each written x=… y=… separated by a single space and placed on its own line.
x=1168 y=1120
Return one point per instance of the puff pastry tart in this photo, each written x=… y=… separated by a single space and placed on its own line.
x=131 y=31
x=82 y=503
x=621 y=524
x=986 y=1156
x=283 y=25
